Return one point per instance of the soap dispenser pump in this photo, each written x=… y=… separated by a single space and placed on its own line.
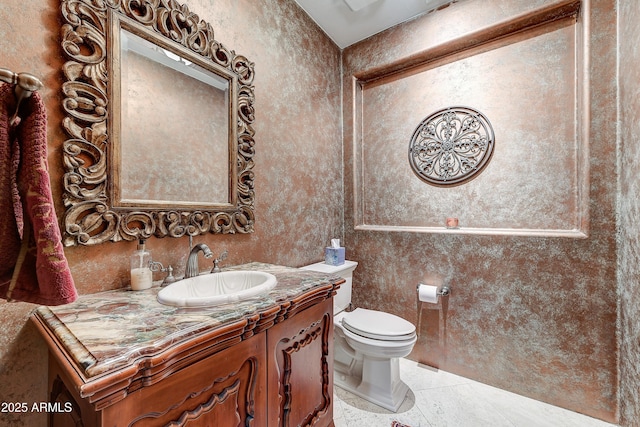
x=141 y=274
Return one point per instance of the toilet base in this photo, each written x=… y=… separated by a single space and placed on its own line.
x=379 y=382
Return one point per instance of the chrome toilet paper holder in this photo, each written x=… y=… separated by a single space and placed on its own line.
x=443 y=291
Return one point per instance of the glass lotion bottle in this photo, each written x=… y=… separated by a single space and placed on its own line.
x=141 y=275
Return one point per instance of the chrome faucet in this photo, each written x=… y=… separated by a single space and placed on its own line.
x=192 y=269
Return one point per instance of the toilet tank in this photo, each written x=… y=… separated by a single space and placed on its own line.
x=343 y=296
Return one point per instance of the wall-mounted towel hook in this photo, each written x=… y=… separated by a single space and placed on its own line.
x=25 y=84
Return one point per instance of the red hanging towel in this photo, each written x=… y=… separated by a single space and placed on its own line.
x=33 y=267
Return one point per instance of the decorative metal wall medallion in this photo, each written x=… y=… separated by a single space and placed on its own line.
x=451 y=145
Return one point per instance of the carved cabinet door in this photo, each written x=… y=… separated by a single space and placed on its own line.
x=226 y=389
x=300 y=360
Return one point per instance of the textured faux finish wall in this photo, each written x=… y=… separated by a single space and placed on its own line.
x=298 y=159
x=629 y=235
x=532 y=72
x=533 y=315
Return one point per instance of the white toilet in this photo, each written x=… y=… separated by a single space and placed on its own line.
x=367 y=345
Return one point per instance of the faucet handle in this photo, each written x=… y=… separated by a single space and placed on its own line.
x=157 y=266
x=169 y=278
x=222 y=257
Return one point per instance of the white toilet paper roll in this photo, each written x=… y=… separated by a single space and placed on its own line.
x=428 y=293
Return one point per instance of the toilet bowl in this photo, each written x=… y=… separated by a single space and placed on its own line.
x=368 y=345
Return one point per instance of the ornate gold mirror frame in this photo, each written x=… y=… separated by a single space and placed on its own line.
x=90 y=39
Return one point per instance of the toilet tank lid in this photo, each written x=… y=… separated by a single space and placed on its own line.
x=331 y=269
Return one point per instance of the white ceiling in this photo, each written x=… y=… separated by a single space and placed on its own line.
x=349 y=23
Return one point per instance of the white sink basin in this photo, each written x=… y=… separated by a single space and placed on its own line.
x=217 y=288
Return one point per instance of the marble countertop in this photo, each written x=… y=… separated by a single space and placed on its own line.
x=106 y=331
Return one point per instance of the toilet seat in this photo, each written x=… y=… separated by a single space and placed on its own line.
x=378 y=325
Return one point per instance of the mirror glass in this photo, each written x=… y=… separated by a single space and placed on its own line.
x=159 y=117
x=188 y=161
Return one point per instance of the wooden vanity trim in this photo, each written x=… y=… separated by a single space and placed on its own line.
x=106 y=389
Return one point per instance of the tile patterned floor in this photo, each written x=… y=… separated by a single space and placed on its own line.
x=441 y=399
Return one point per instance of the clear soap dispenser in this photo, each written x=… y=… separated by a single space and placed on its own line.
x=141 y=274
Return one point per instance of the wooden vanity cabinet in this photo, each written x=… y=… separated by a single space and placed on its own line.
x=282 y=376
x=225 y=389
x=300 y=369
